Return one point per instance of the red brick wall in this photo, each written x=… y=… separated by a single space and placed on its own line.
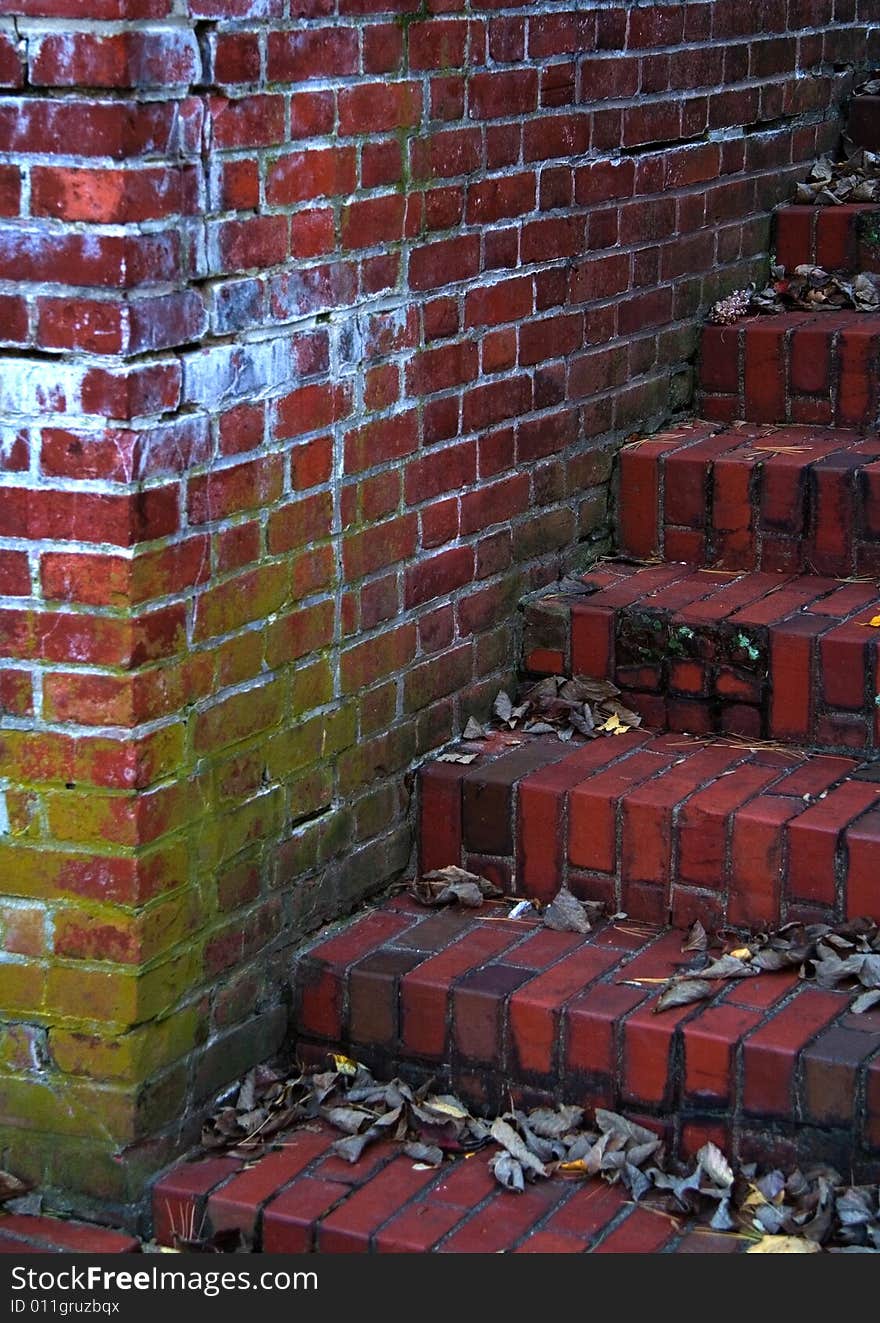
x=320 y=321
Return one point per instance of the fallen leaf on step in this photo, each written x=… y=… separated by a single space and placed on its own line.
x=713 y=1162
x=697 y=939
x=682 y=993
x=465 y=758
x=452 y=886
x=345 y=1065
x=424 y=1155
x=566 y=914
x=728 y=966
x=505 y=1135
x=508 y=1172
x=784 y=1245
x=553 y=1123
x=614 y=726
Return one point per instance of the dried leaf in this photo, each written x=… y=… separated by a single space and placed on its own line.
x=636 y=1181
x=452 y=885
x=771 y=1186
x=728 y=966
x=503 y=706
x=638 y=1154
x=582 y=719
x=628 y=718
x=783 y=1245
x=553 y=1124
x=769 y=1219
x=506 y=1136
x=832 y=970
x=474 y=731
x=629 y=1132
x=869 y=971
x=465 y=758
x=581 y=689
x=446 y=1106
x=865 y=1002
x=345 y=1065
x=721 y=1219
x=351 y=1120
x=575 y=1167
x=856 y=1207
x=697 y=938
x=350 y=1149
x=508 y=1172
x=713 y=1162
x=430 y=1155
x=566 y=914
x=682 y=992
x=770 y=961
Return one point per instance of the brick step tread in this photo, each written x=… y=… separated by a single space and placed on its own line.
x=666 y=827
x=843 y=238
x=765 y=656
x=793 y=367
x=500 y=1010
x=301 y=1199
x=786 y=499
x=863 y=125
x=28 y=1234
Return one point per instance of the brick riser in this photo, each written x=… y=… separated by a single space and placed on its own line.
x=792 y=500
x=793 y=367
x=814 y=368
x=785 y=658
x=844 y=238
x=507 y=1011
x=667 y=828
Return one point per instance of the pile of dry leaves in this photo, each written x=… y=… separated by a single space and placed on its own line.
x=809 y=288
x=846 y=956
x=561 y=707
x=854 y=179
x=798 y=1213
x=813 y=289
x=456 y=886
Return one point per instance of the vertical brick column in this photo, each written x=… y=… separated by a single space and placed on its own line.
x=104 y=903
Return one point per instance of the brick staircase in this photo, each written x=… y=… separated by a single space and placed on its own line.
x=740 y=628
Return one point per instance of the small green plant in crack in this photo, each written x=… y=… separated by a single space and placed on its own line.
x=869 y=228
x=679 y=638
x=745 y=644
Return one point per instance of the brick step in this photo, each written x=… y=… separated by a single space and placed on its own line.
x=793 y=367
x=505 y=1010
x=301 y=1199
x=668 y=828
x=22 y=1233
x=863 y=125
x=791 y=658
x=844 y=238
x=788 y=500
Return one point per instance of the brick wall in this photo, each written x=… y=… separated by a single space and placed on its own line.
x=320 y=322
